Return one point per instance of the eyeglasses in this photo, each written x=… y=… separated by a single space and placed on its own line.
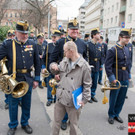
x=65 y=51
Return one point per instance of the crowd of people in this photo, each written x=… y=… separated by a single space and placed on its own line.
x=73 y=62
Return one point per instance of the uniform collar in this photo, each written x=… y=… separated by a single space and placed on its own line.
x=71 y=39
x=120 y=46
x=20 y=43
x=93 y=42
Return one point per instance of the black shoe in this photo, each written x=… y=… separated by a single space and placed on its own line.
x=27 y=129
x=11 y=131
x=63 y=125
x=118 y=119
x=94 y=99
x=54 y=101
x=100 y=83
x=90 y=101
x=20 y=104
x=48 y=103
x=40 y=86
x=6 y=106
x=126 y=97
x=111 y=120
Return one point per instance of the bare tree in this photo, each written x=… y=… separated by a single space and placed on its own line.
x=3 y=6
x=37 y=12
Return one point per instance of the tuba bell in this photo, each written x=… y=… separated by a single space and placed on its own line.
x=52 y=84
x=9 y=85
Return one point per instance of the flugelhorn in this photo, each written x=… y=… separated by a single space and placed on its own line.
x=52 y=84
x=108 y=86
x=111 y=86
x=9 y=85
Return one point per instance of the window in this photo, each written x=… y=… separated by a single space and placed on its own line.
x=112 y=8
x=116 y=17
x=131 y=2
x=107 y=21
x=117 y=6
x=15 y=14
x=129 y=18
x=111 y=20
x=108 y=10
x=11 y=15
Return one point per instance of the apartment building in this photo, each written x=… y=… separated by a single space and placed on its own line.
x=93 y=15
x=81 y=16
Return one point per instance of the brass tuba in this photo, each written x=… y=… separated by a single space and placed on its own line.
x=9 y=85
x=52 y=84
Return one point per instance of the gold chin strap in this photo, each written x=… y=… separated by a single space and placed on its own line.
x=14 y=59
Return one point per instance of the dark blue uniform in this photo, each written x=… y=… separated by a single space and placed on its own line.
x=117 y=97
x=104 y=53
x=26 y=57
x=57 y=54
x=130 y=48
x=47 y=53
x=95 y=59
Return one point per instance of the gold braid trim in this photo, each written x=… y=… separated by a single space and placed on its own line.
x=14 y=59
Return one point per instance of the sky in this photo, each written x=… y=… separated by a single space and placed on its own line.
x=67 y=9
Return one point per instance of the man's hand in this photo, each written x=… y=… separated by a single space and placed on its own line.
x=40 y=56
x=35 y=84
x=57 y=77
x=101 y=69
x=114 y=81
x=82 y=104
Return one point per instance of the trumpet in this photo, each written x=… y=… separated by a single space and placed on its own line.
x=52 y=84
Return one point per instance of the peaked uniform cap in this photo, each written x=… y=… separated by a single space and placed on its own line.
x=94 y=31
x=22 y=26
x=56 y=33
x=73 y=24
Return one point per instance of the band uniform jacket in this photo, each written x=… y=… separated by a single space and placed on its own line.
x=94 y=52
x=47 y=54
x=123 y=61
x=71 y=79
x=27 y=56
x=58 y=52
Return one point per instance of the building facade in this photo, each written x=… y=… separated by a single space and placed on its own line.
x=93 y=14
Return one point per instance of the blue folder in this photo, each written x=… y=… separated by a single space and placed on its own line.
x=77 y=94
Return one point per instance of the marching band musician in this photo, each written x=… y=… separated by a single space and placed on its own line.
x=58 y=54
x=21 y=54
x=40 y=40
x=104 y=50
x=117 y=66
x=94 y=51
x=46 y=61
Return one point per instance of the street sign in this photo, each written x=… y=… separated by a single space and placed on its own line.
x=122 y=24
x=60 y=27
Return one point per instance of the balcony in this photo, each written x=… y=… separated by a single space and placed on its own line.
x=123 y=9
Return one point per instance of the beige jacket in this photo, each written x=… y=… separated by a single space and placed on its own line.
x=71 y=79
